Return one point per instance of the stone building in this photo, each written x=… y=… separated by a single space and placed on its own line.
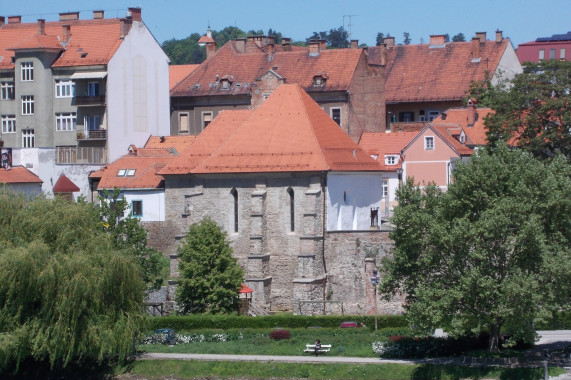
x=297 y=197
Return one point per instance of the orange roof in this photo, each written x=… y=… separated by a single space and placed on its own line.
x=178 y=73
x=93 y=42
x=381 y=144
x=447 y=134
x=289 y=132
x=179 y=143
x=65 y=185
x=144 y=175
x=296 y=66
x=476 y=133
x=18 y=174
x=420 y=72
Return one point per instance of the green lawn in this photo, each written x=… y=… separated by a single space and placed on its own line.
x=183 y=369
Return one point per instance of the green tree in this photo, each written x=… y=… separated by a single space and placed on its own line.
x=380 y=38
x=210 y=277
x=493 y=252
x=406 y=36
x=130 y=237
x=66 y=293
x=534 y=110
x=458 y=38
x=446 y=37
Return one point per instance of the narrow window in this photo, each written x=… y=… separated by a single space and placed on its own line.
x=336 y=115
x=385 y=188
x=93 y=89
x=27 y=71
x=92 y=122
x=137 y=209
x=206 y=119
x=183 y=122
x=291 y=209
x=8 y=123
x=8 y=90
x=562 y=53
x=428 y=143
x=234 y=193
x=551 y=53
x=27 y=104
x=541 y=54
x=28 y=138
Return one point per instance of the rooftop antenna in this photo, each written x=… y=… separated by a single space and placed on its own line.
x=349 y=25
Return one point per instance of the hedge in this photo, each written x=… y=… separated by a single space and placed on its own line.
x=206 y=321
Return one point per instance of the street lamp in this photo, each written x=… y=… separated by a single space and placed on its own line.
x=375 y=282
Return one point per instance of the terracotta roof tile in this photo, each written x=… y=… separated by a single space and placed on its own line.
x=65 y=185
x=289 y=132
x=459 y=116
x=178 y=72
x=96 y=40
x=178 y=143
x=446 y=133
x=145 y=174
x=18 y=174
x=382 y=144
x=296 y=66
x=422 y=73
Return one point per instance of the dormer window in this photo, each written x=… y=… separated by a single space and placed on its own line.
x=319 y=79
x=226 y=82
x=391 y=159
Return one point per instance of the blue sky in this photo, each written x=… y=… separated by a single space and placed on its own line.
x=520 y=20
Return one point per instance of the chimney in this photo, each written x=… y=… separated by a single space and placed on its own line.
x=354 y=44
x=475 y=49
x=384 y=54
x=125 y=27
x=2 y=20
x=481 y=36
x=66 y=32
x=241 y=45
x=286 y=44
x=322 y=45
x=69 y=16
x=437 y=40
x=389 y=41
x=41 y=26
x=14 y=19
x=270 y=40
x=499 y=36
x=471 y=112
x=98 y=14
x=313 y=48
x=270 y=49
x=135 y=14
x=210 y=49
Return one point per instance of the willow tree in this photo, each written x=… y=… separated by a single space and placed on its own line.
x=491 y=253
x=66 y=293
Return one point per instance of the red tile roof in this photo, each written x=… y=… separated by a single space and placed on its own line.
x=447 y=134
x=18 y=174
x=476 y=133
x=289 y=132
x=179 y=143
x=296 y=66
x=97 y=40
x=178 y=72
x=381 y=144
x=65 y=185
x=417 y=73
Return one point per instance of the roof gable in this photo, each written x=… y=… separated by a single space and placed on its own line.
x=65 y=185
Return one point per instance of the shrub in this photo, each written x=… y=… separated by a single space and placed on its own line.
x=406 y=347
x=279 y=334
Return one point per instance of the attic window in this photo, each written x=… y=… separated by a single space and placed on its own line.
x=225 y=84
x=319 y=79
x=126 y=172
x=197 y=86
x=391 y=160
x=83 y=55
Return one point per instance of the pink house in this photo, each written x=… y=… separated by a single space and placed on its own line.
x=558 y=46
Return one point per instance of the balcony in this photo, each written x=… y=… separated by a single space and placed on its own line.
x=90 y=100
x=92 y=134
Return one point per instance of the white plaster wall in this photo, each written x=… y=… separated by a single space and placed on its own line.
x=508 y=67
x=137 y=92
x=362 y=191
x=41 y=162
x=153 y=203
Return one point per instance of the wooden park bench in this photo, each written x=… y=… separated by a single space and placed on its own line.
x=311 y=348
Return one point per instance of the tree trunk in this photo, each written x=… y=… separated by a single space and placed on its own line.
x=494 y=338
